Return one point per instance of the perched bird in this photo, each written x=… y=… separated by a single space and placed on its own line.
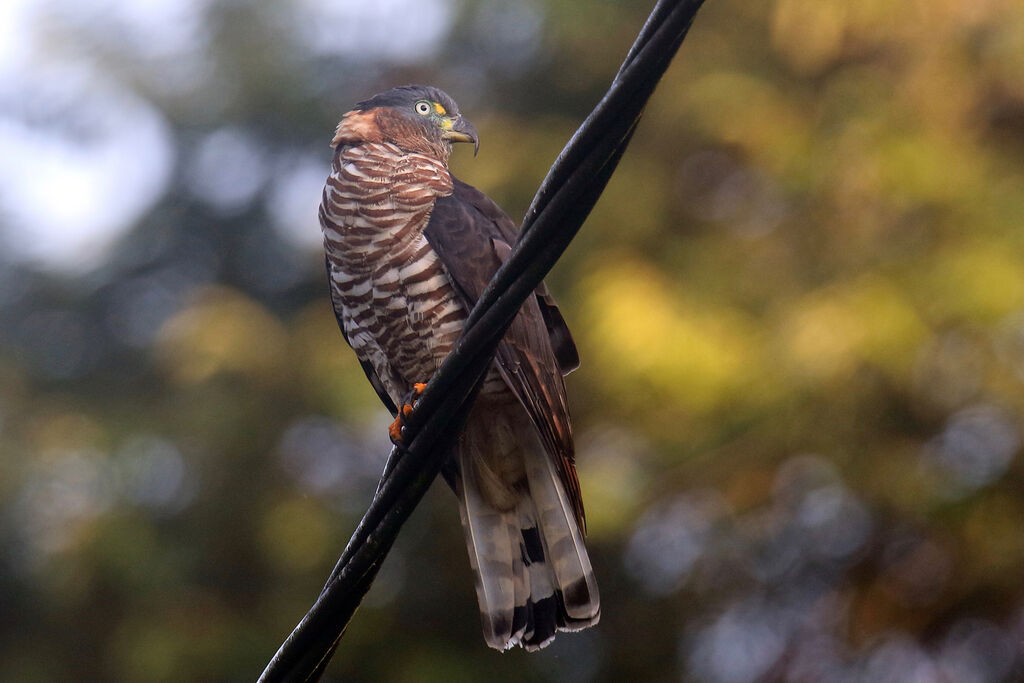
x=409 y=250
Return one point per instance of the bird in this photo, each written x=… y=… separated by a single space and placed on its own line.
x=409 y=249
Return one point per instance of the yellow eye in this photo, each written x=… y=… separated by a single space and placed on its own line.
x=422 y=107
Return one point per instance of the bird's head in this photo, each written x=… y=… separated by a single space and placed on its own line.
x=416 y=118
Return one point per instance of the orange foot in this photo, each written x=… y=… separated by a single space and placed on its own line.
x=404 y=411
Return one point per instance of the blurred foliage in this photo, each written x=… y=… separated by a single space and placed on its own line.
x=800 y=307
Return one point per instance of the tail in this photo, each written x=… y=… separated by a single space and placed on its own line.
x=533 y=575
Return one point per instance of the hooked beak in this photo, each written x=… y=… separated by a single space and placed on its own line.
x=461 y=130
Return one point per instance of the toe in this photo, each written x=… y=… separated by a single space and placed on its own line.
x=395 y=430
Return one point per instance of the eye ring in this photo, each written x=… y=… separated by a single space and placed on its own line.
x=422 y=107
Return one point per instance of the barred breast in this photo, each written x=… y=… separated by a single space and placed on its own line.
x=391 y=291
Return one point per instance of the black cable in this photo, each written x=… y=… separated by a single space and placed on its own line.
x=562 y=204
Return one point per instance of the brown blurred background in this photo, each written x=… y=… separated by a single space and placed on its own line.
x=800 y=306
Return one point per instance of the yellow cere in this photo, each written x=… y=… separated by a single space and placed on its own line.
x=439 y=109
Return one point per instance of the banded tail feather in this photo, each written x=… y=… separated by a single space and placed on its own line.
x=533 y=574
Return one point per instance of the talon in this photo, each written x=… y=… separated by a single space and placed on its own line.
x=404 y=411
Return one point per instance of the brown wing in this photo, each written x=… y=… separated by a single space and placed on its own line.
x=471 y=235
x=503 y=228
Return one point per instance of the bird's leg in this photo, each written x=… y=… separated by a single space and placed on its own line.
x=404 y=411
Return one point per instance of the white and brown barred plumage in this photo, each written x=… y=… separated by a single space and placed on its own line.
x=409 y=250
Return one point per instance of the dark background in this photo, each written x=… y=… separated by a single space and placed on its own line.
x=800 y=306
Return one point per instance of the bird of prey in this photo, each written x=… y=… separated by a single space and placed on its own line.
x=409 y=250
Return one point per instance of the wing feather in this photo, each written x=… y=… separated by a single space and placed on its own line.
x=471 y=235
x=505 y=229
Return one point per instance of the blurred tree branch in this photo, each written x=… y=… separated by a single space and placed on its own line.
x=561 y=205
